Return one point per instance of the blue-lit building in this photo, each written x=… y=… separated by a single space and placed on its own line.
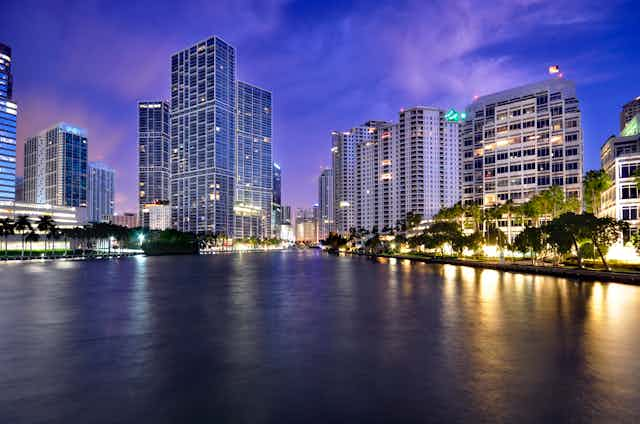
x=8 y=118
x=254 y=183
x=100 y=192
x=55 y=166
x=203 y=104
x=153 y=157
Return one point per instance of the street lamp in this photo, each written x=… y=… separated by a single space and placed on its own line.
x=141 y=238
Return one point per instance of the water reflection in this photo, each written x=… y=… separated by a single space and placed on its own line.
x=303 y=336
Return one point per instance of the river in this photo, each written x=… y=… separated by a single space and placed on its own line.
x=300 y=336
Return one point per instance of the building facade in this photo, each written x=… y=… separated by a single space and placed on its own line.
x=620 y=159
x=127 y=219
x=8 y=123
x=276 y=206
x=325 y=204
x=55 y=166
x=157 y=215
x=100 y=192
x=521 y=141
x=254 y=165
x=307 y=225
x=65 y=217
x=153 y=155
x=629 y=110
x=203 y=137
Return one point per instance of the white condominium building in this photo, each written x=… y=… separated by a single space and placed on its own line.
x=412 y=166
x=620 y=158
x=518 y=142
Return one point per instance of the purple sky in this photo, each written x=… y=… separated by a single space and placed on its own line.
x=330 y=65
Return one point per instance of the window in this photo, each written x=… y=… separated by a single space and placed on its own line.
x=572 y=180
x=529 y=152
x=543 y=180
x=543 y=123
x=572 y=165
x=557 y=181
x=502 y=156
x=528 y=124
x=557 y=153
x=543 y=151
x=515 y=126
x=529 y=165
x=489 y=160
x=573 y=151
x=629 y=191
x=503 y=169
x=543 y=166
x=529 y=180
x=629 y=213
x=628 y=170
x=515 y=154
x=571 y=137
x=556 y=167
x=515 y=168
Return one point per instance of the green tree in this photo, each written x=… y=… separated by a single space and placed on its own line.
x=45 y=223
x=595 y=183
x=530 y=240
x=31 y=237
x=568 y=228
x=7 y=228
x=603 y=233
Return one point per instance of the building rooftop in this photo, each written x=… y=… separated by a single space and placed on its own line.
x=566 y=87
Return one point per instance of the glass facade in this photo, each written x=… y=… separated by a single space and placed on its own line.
x=8 y=119
x=254 y=171
x=55 y=166
x=153 y=156
x=203 y=103
x=100 y=192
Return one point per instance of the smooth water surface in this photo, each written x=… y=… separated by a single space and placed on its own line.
x=301 y=336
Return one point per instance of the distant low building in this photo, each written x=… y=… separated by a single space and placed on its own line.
x=157 y=215
x=127 y=219
x=63 y=216
x=307 y=225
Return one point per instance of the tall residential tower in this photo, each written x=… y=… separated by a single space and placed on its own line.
x=100 y=192
x=153 y=156
x=254 y=166
x=8 y=118
x=325 y=204
x=203 y=137
x=55 y=166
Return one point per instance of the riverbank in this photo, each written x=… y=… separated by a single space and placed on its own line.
x=555 y=271
x=70 y=256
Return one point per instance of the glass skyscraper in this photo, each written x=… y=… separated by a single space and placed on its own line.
x=55 y=166
x=276 y=207
x=8 y=117
x=100 y=192
x=203 y=104
x=254 y=171
x=153 y=156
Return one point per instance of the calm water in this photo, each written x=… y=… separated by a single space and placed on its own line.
x=303 y=337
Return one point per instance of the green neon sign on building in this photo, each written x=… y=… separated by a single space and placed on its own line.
x=454 y=116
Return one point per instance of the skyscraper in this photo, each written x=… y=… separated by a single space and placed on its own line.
x=55 y=166
x=276 y=207
x=325 y=203
x=153 y=156
x=254 y=166
x=203 y=109
x=8 y=118
x=518 y=142
x=100 y=192
x=629 y=110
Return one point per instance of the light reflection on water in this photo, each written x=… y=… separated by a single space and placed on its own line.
x=305 y=336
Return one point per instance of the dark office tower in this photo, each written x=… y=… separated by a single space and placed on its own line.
x=203 y=103
x=8 y=117
x=55 y=166
x=254 y=176
x=629 y=110
x=153 y=157
x=276 y=208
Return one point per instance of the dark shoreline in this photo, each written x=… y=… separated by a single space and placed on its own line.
x=632 y=278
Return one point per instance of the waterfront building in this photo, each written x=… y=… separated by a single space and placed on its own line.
x=100 y=192
x=620 y=159
x=521 y=141
x=307 y=225
x=127 y=219
x=629 y=110
x=287 y=231
x=55 y=166
x=203 y=137
x=276 y=203
x=343 y=164
x=254 y=165
x=153 y=156
x=325 y=204
x=157 y=215
x=8 y=122
x=64 y=217
x=286 y=214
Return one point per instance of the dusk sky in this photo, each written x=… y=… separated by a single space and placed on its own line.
x=330 y=65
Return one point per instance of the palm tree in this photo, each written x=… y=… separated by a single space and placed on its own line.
x=44 y=225
x=595 y=183
x=24 y=226
x=31 y=237
x=7 y=227
x=53 y=234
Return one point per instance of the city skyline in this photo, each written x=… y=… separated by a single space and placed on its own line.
x=483 y=55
